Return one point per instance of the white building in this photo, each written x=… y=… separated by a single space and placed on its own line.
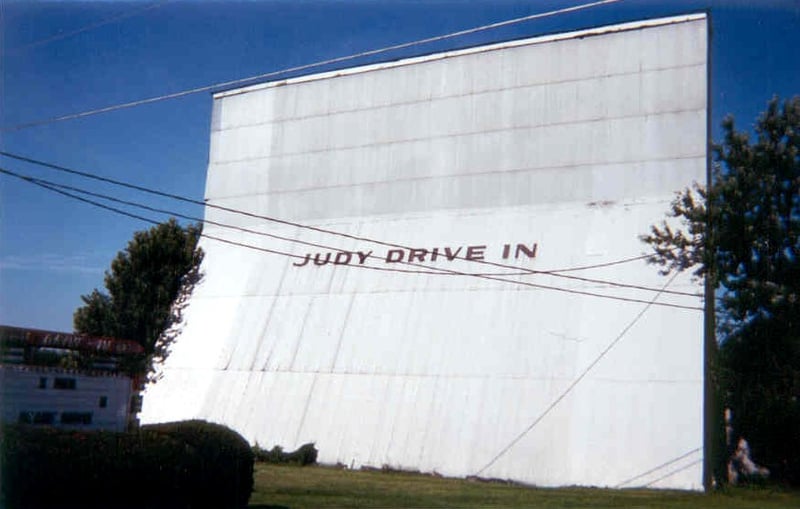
x=552 y=154
x=38 y=387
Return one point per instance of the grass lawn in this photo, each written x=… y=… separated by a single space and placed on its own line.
x=309 y=487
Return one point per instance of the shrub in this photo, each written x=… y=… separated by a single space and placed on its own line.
x=306 y=454
x=199 y=465
x=224 y=476
x=47 y=467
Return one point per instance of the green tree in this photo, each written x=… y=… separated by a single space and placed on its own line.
x=94 y=317
x=148 y=287
x=743 y=232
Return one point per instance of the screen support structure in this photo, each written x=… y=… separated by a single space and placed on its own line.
x=713 y=448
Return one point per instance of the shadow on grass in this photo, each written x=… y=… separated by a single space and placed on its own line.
x=268 y=506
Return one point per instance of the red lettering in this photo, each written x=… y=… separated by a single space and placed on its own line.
x=475 y=252
x=417 y=253
x=522 y=248
x=450 y=254
x=394 y=255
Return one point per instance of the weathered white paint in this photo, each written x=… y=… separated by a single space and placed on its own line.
x=574 y=142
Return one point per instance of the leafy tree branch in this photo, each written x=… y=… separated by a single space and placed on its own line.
x=148 y=287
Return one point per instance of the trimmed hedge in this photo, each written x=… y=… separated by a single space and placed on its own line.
x=224 y=475
x=191 y=465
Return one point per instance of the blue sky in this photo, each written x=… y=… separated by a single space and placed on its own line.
x=59 y=58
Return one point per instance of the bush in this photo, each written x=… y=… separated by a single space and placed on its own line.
x=224 y=476
x=305 y=455
x=191 y=465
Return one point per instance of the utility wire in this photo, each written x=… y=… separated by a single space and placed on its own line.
x=442 y=271
x=670 y=474
x=56 y=188
x=518 y=271
x=51 y=185
x=577 y=380
x=606 y=264
x=656 y=469
x=272 y=74
x=127 y=14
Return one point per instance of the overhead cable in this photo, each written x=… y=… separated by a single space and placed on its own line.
x=113 y=19
x=304 y=67
x=56 y=188
x=673 y=472
x=657 y=468
x=518 y=270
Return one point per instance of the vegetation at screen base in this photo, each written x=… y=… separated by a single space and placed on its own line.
x=314 y=487
x=191 y=465
x=743 y=233
x=306 y=454
x=148 y=287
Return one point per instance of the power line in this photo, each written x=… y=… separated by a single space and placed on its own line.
x=518 y=270
x=56 y=188
x=304 y=67
x=555 y=273
x=656 y=469
x=673 y=472
x=606 y=264
x=127 y=14
x=442 y=271
x=53 y=186
x=577 y=380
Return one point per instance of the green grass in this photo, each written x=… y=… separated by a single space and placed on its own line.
x=310 y=487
